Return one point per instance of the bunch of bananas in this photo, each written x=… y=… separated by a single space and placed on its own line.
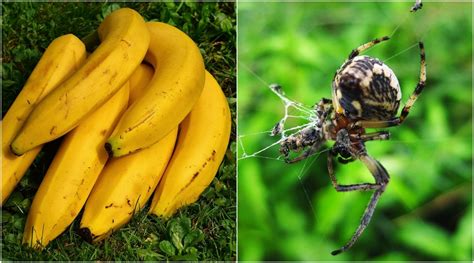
x=129 y=128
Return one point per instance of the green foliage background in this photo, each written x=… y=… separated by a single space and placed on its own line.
x=292 y=212
x=205 y=230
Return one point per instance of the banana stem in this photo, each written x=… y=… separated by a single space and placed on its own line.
x=91 y=41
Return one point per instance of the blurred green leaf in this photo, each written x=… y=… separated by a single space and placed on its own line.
x=425 y=238
x=462 y=240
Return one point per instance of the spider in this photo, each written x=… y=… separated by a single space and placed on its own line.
x=365 y=94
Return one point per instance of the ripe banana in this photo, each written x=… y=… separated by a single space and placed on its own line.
x=125 y=40
x=126 y=183
x=63 y=56
x=72 y=174
x=202 y=143
x=176 y=85
x=139 y=80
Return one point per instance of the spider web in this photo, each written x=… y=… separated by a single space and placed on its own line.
x=292 y=110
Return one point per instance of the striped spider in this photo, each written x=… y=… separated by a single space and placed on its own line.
x=365 y=94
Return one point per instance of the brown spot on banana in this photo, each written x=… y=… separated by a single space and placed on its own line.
x=213 y=155
x=112 y=78
x=195 y=175
x=126 y=42
x=149 y=115
x=52 y=130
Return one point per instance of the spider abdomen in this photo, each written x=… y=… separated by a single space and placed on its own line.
x=364 y=88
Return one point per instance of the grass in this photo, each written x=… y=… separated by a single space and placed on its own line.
x=292 y=212
x=205 y=230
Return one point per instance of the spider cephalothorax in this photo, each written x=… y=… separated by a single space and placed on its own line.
x=365 y=94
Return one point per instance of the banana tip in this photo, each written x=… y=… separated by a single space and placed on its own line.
x=108 y=148
x=86 y=234
x=14 y=150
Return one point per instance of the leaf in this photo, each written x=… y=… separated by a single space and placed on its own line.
x=220 y=201
x=15 y=198
x=152 y=238
x=462 y=239
x=167 y=247
x=8 y=83
x=218 y=185
x=193 y=237
x=25 y=204
x=107 y=9
x=426 y=238
x=149 y=255
x=10 y=238
x=178 y=229
x=209 y=193
x=18 y=222
x=6 y=217
x=186 y=257
x=192 y=250
x=224 y=22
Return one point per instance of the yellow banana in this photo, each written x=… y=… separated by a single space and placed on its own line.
x=127 y=182
x=72 y=174
x=174 y=89
x=63 y=56
x=125 y=40
x=202 y=142
x=139 y=80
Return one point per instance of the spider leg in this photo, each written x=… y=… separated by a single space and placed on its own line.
x=419 y=87
x=381 y=180
x=310 y=151
x=406 y=109
x=380 y=135
x=348 y=187
x=366 y=46
x=345 y=160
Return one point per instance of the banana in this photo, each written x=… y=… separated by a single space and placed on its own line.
x=72 y=174
x=63 y=56
x=176 y=85
x=125 y=40
x=139 y=80
x=134 y=177
x=202 y=142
